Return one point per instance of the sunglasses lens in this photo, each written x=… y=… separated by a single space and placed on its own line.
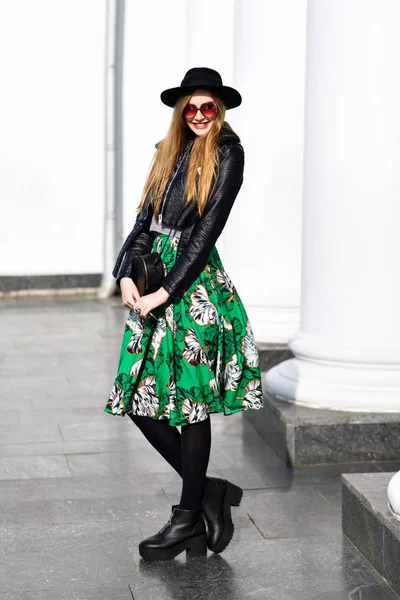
x=208 y=110
x=189 y=111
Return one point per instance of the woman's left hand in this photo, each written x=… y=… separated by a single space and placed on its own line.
x=145 y=304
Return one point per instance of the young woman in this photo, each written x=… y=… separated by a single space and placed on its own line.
x=188 y=349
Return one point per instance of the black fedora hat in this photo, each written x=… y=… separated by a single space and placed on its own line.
x=202 y=78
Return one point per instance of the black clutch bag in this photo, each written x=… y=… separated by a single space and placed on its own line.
x=147 y=268
x=147 y=272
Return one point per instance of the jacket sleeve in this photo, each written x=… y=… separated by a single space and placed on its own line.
x=208 y=228
x=138 y=246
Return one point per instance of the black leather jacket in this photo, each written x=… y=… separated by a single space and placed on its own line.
x=199 y=234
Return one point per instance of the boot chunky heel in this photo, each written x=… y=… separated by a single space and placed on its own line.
x=219 y=496
x=234 y=494
x=185 y=530
x=198 y=547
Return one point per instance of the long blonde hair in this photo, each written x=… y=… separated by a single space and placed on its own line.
x=204 y=154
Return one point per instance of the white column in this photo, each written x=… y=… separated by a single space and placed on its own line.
x=348 y=346
x=262 y=240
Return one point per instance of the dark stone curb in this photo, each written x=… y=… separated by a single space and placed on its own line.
x=272 y=354
x=16 y=283
x=369 y=524
x=304 y=436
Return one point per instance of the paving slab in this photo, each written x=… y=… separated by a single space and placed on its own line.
x=82 y=591
x=61 y=569
x=85 y=486
x=33 y=467
x=291 y=513
x=288 y=569
x=67 y=537
x=259 y=589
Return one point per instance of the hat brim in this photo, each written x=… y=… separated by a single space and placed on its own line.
x=229 y=95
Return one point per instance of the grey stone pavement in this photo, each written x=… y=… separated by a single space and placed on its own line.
x=80 y=488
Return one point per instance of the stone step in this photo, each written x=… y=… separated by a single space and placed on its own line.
x=10 y=284
x=303 y=436
x=369 y=524
x=272 y=354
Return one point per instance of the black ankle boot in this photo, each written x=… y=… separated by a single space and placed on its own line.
x=185 y=530
x=218 y=498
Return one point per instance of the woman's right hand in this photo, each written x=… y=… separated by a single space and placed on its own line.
x=129 y=292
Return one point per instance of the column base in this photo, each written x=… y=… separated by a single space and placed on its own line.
x=304 y=436
x=352 y=387
x=369 y=524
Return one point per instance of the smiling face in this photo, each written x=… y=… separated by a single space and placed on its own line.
x=200 y=125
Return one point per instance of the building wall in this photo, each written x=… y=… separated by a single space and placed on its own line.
x=52 y=137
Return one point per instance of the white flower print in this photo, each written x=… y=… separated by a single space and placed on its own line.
x=173 y=243
x=214 y=383
x=166 y=413
x=193 y=352
x=232 y=374
x=172 y=398
x=202 y=309
x=249 y=348
x=194 y=411
x=136 y=368
x=145 y=400
x=169 y=316
x=159 y=333
x=224 y=280
x=159 y=244
x=135 y=324
x=116 y=400
x=253 y=394
x=226 y=324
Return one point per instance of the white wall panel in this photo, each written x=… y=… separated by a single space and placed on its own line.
x=51 y=143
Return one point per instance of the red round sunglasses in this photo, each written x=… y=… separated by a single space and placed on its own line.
x=208 y=110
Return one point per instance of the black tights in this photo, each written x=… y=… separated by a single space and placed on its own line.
x=187 y=452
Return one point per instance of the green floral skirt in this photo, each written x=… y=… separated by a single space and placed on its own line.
x=198 y=356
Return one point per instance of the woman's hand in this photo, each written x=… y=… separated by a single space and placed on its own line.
x=129 y=292
x=145 y=304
